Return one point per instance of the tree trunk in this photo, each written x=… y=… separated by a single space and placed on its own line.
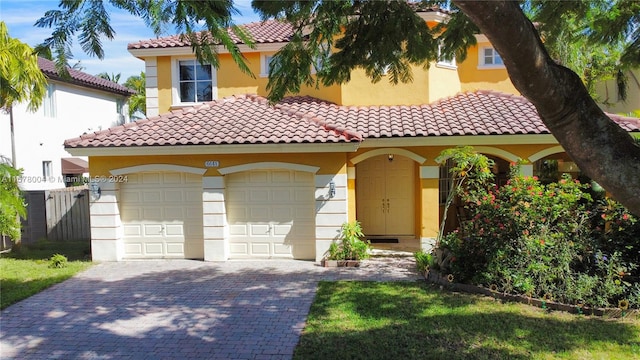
x=604 y=151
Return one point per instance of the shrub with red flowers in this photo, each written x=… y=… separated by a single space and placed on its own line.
x=533 y=239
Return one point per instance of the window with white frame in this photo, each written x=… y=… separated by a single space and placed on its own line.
x=49 y=102
x=445 y=61
x=489 y=57
x=265 y=64
x=47 y=169
x=196 y=82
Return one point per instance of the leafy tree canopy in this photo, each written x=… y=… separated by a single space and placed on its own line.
x=20 y=76
x=389 y=36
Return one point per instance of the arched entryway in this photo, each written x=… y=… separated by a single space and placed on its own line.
x=386 y=197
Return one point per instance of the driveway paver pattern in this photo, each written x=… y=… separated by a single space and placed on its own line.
x=178 y=309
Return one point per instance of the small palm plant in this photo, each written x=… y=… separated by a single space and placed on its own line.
x=350 y=246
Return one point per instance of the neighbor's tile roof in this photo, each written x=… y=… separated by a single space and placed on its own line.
x=248 y=119
x=243 y=119
x=48 y=67
x=270 y=31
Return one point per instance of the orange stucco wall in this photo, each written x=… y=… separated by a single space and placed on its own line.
x=474 y=78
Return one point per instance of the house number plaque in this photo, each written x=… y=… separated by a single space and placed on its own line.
x=211 y=163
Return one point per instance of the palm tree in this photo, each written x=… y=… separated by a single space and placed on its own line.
x=20 y=78
x=137 y=102
x=111 y=77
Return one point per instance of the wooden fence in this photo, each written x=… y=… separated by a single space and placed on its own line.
x=57 y=215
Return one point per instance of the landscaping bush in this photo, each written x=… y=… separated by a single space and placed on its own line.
x=550 y=241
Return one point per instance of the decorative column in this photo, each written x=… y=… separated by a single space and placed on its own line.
x=331 y=210
x=429 y=196
x=107 y=242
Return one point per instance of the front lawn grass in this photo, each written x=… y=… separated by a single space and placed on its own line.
x=26 y=271
x=400 y=320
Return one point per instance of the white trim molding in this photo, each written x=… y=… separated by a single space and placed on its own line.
x=158 y=167
x=268 y=165
x=497 y=152
x=402 y=152
x=546 y=152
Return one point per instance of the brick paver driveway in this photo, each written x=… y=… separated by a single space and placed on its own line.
x=177 y=309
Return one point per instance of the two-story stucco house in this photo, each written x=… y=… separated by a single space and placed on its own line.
x=80 y=104
x=217 y=173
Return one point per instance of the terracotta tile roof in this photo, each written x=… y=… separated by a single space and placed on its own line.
x=248 y=119
x=48 y=67
x=243 y=119
x=270 y=31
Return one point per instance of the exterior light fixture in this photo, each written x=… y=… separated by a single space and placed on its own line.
x=95 y=191
x=390 y=157
x=332 y=190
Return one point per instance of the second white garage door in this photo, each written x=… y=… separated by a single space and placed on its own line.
x=271 y=214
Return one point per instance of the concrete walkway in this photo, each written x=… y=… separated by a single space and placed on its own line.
x=178 y=309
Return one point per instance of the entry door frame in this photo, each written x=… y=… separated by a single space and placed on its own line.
x=395 y=152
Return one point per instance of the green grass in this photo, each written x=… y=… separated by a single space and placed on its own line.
x=26 y=272
x=368 y=320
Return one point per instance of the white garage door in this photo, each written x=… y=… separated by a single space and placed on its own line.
x=161 y=215
x=271 y=214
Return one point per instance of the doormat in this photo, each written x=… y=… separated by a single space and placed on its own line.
x=383 y=241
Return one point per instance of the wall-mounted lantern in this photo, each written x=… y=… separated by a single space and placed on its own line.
x=332 y=190
x=95 y=191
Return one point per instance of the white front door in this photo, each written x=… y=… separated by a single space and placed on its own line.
x=385 y=196
x=271 y=214
x=161 y=215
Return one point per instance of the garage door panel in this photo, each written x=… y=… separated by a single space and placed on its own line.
x=281 y=230
x=239 y=249
x=150 y=178
x=175 y=248
x=153 y=248
x=238 y=230
x=133 y=248
x=150 y=214
x=176 y=195
x=270 y=203
x=171 y=178
x=151 y=196
x=260 y=248
x=259 y=230
x=132 y=230
x=281 y=249
x=161 y=212
x=174 y=230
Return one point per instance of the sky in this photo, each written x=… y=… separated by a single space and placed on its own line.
x=20 y=15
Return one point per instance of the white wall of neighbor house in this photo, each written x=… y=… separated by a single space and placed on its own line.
x=68 y=111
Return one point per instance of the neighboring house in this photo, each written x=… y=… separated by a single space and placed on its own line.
x=80 y=104
x=217 y=173
x=609 y=95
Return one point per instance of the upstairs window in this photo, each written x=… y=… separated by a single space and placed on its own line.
x=489 y=58
x=47 y=169
x=265 y=64
x=195 y=82
x=445 y=61
x=49 y=102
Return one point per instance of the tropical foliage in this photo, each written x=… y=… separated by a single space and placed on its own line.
x=20 y=76
x=561 y=241
x=12 y=205
x=137 y=102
